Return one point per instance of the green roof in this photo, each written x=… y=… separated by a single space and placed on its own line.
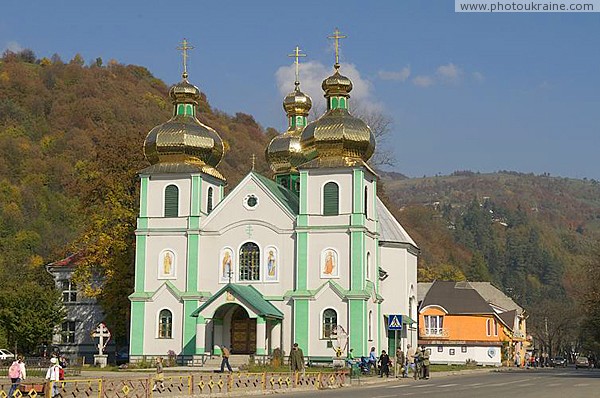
x=287 y=197
x=250 y=296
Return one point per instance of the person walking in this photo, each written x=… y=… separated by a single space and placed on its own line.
x=159 y=380
x=53 y=375
x=417 y=358
x=225 y=354
x=426 y=352
x=384 y=364
x=296 y=359
x=410 y=358
x=373 y=359
x=16 y=373
x=400 y=363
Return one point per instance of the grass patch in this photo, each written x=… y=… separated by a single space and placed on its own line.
x=450 y=368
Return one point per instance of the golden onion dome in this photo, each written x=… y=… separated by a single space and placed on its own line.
x=337 y=84
x=337 y=134
x=284 y=153
x=297 y=103
x=184 y=139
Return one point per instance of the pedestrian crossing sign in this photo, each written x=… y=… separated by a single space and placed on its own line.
x=395 y=322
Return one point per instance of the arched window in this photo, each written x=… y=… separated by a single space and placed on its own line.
x=331 y=199
x=209 y=200
x=366 y=201
x=250 y=262
x=165 y=324
x=329 y=322
x=370 y=326
x=171 y=201
x=368 y=265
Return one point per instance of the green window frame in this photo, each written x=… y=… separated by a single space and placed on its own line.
x=331 y=199
x=171 y=201
x=249 y=262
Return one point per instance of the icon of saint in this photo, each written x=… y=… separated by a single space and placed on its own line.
x=329 y=263
x=167 y=263
x=226 y=264
x=271 y=264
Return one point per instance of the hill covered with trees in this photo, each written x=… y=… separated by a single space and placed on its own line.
x=71 y=138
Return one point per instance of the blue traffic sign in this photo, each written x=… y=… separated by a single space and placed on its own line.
x=395 y=322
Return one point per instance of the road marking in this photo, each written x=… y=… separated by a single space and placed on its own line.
x=509 y=382
x=554 y=384
x=581 y=385
x=447 y=385
x=424 y=385
x=384 y=396
x=474 y=384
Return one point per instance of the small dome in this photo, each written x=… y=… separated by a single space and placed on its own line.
x=297 y=103
x=337 y=84
x=337 y=134
x=284 y=153
x=184 y=139
x=184 y=92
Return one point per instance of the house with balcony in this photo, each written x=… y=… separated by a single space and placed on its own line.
x=469 y=321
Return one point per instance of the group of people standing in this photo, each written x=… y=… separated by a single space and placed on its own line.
x=416 y=359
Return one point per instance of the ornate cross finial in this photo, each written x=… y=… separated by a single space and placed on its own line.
x=297 y=55
x=184 y=47
x=253 y=161
x=337 y=35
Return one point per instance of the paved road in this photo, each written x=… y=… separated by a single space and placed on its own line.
x=542 y=383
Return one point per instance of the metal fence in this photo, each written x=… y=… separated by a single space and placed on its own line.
x=184 y=385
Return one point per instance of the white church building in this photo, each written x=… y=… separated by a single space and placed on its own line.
x=298 y=257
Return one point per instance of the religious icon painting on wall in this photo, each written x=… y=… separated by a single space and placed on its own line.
x=226 y=265
x=167 y=264
x=329 y=264
x=271 y=264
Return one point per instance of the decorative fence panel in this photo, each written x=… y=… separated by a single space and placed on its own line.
x=180 y=386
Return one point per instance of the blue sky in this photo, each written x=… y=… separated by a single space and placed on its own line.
x=483 y=92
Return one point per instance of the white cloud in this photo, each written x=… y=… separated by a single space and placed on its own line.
x=312 y=74
x=14 y=46
x=423 y=81
x=401 y=75
x=478 y=76
x=449 y=73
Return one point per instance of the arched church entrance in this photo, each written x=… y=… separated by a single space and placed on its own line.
x=243 y=332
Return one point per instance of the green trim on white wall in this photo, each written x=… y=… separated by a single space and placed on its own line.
x=357 y=266
x=196 y=195
x=358 y=326
x=144 y=196
x=193 y=250
x=358 y=178
x=140 y=262
x=302 y=261
x=137 y=328
x=300 y=327
x=189 y=327
x=303 y=192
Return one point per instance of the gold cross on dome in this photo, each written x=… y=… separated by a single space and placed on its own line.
x=184 y=47
x=297 y=56
x=253 y=161
x=337 y=35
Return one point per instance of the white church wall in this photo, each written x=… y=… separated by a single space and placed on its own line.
x=459 y=354
x=326 y=298
x=153 y=345
x=212 y=275
x=317 y=180
x=320 y=243
x=156 y=194
x=156 y=248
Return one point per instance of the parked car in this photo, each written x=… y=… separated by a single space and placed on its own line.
x=559 y=362
x=6 y=355
x=122 y=356
x=582 y=362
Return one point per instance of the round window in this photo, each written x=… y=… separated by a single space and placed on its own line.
x=250 y=202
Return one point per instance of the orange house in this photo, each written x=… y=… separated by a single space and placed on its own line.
x=458 y=325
